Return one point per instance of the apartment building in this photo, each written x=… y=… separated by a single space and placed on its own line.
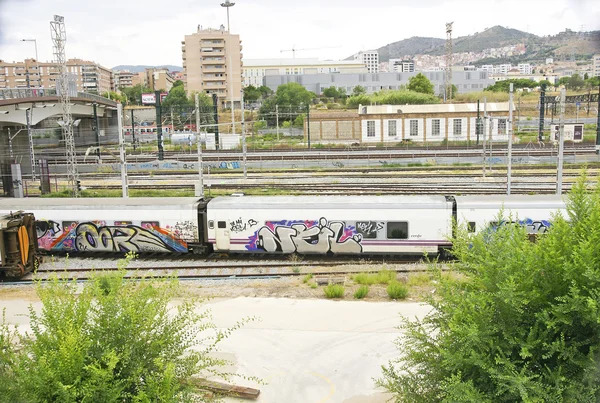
x=159 y=79
x=370 y=58
x=596 y=65
x=401 y=66
x=254 y=70
x=89 y=76
x=123 y=79
x=212 y=63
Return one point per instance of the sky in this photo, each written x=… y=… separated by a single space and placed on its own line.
x=149 y=32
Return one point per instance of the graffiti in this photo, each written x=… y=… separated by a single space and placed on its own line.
x=229 y=165
x=239 y=225
x=532 y=227
x=186 y=230
x=44 y=227
x=17 y=183
x=306 y=237
x=369 y=227
x=337 y=164
x=494 y=160
x=92 y=238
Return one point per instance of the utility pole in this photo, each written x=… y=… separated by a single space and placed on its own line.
x=448 y=76
x=561 y=126
x=96 y=130
x=308 y=123
x=124 y=184
x=161 y=152
x=227 y=5
x=216 y=116
x=28 y=112
x=243 y=136
x=485 y=120
x=478 y=124
x=59 y=39
x=541 y=126
x=598 y=124
x=200 y=187
x=510 y=140
x=277 y=120
x=133 y=130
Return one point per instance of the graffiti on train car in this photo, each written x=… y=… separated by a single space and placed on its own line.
x=96 y=236
x=532 y=226
x=306 y=237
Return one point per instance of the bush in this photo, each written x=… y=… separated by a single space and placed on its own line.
x=381 y=277
x=307 y=278
x=519 y=323
x=115 y=340
x=362 y=292
x=397 y=290
x=334 y=291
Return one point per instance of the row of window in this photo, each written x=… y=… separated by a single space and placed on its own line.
x=457 y=126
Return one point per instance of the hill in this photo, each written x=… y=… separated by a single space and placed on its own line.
x=141 y=68
x=411 y=46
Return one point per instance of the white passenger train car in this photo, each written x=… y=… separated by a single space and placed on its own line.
x=330 y=224
x=535 y=212
x=164 y=225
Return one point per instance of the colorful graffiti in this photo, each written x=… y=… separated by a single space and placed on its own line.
x=306 y=237
x=98 y=237
x=532 y=226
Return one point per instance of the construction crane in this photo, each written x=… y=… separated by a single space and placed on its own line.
x=294 y=50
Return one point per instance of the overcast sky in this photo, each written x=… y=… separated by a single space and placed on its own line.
x=113 y=32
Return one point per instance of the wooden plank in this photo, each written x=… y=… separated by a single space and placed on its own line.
x=226 y=389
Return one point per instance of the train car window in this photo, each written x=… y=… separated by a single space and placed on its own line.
x=397 y=230
x=211 y=224
x=221 y=224
x=122 y=223
x=471 y=226
x=68 y=224
x=150 y=224
x=368 y=229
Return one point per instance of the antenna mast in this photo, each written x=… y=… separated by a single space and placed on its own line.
x=59 y=39
x=448 y=77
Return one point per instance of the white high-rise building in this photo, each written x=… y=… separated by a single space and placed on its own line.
x=401 y=66
x=370 y=58
x=524 y=68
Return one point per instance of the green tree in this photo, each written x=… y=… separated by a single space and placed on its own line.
x=518 y=322
x=454 y=91
x=178 y=83
x=518 y=83
x=265 y=91
x=292 y=99
x=177 y=98
x=134 y=94
x=575 y=82
x=115 y=340
x=420 y=83
x=545 y=84
x=358 y=90
x=115 y=96
x=332 y=92
x=251 y=94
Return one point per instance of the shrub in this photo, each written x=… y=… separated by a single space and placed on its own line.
x=334 y=291
x=397 y=290
x=307 y=278
x=362 y=292
x=381 y=277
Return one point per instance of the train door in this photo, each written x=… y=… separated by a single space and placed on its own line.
x=223 y=234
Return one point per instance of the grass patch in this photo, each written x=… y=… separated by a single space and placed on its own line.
x=313 y=285
x=307 y=278
x=381 y=277
x=397 y=290
x=334 y=291
x=362 y=292
x=419 y=280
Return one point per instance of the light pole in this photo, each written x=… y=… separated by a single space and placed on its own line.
x=228 y=4
x=36 y=57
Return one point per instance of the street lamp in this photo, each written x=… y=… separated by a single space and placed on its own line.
x=228 y=4
x=36 y=59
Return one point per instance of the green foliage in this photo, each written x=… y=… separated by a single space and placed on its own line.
x=381 y=277
x=504 y=85
x=115 y=96
x=574 y=82
x=178 y=83
x=392 y=98
x=251 y=94
x=361 y=292
x=334 y=291
x=358 y=90
x=335 y=93
x=292 y=99
x=307 y=278
x=134 y=94
x=177 y=97
x=397 y=290
x=421 y=84
x=114 y=340
x=520 y=321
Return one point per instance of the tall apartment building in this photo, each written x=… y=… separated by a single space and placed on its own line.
x=525 y=68
x=212 y=60
x=596 y=65
x=255 y=70
x=370 y=58
x=89 y=76
x=159 y=79
x=401 y=66
x=123 y=79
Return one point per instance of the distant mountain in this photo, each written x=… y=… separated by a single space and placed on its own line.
x=567 y=44
x=141 y=68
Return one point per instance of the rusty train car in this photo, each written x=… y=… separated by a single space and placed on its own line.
x=18 y=244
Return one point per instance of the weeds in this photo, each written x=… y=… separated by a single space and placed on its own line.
x=397 y=290
x=362 y=292
x=307 y=278
x=421 y=279
x=381 y=277
x=334 y=291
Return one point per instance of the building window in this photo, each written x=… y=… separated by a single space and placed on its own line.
x=414 y=127
x=392 y=128
x=501 y=126
x=435 y=127
x=457 y=127
x=397 y=230
x=370 y=128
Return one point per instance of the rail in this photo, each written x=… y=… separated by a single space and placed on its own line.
x=23 y=93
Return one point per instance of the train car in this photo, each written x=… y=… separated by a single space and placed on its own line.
x=535 y=212
x=329 y=224
x=142 y=225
